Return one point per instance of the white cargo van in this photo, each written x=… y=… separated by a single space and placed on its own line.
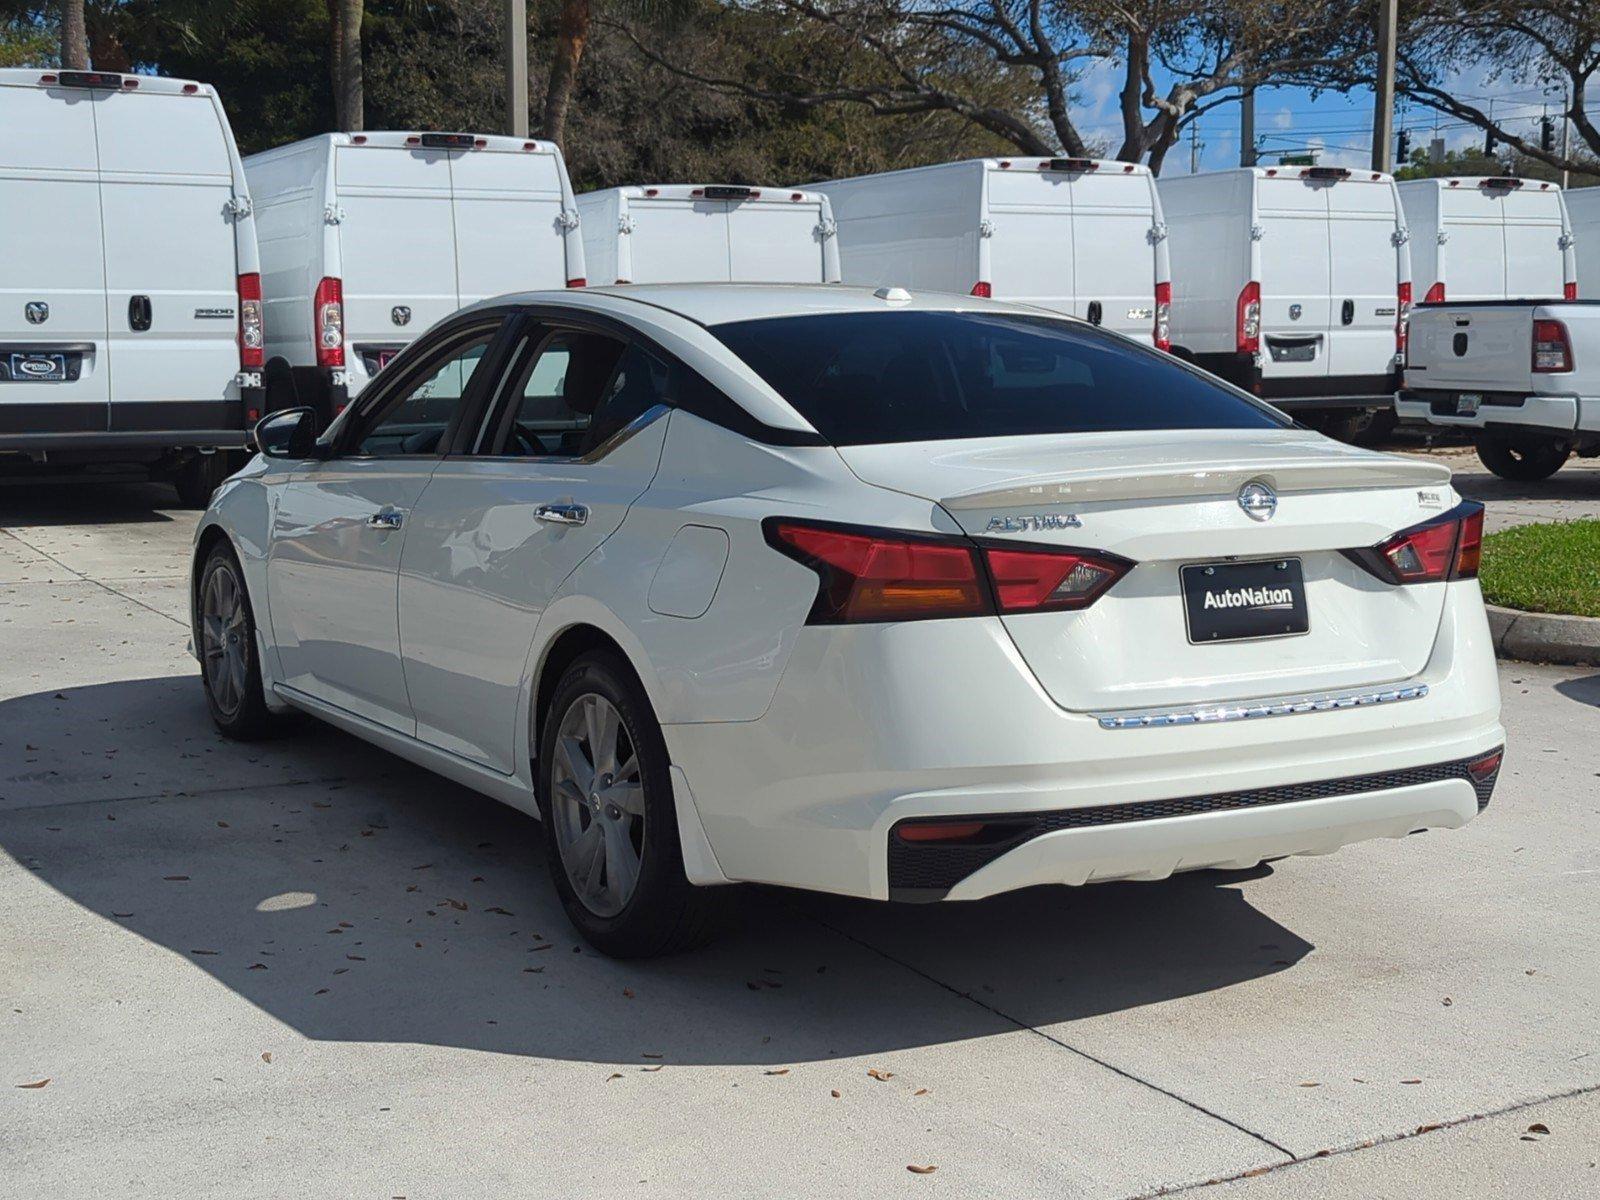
x=1075 y=235
x=1583 y=212
x=1293 y=283
x=708 y=233
x=367 y=239
x=1489 y=239
x=130 y=311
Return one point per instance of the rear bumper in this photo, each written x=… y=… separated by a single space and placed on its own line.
x=156 y=424
x=1557 y=414
x=874 y=725
x=1338 y=391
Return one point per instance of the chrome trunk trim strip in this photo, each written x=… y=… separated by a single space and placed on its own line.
x=1284 y=706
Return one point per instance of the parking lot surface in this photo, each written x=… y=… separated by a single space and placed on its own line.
x=304 y=967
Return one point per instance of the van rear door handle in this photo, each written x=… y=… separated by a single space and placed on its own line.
x=139 y=313
x=1347 y=314
x=561 y=514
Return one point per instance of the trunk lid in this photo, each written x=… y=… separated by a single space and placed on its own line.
x=1170 y=499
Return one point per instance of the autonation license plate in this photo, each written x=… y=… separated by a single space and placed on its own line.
x=38 y=368
x=1228 y=602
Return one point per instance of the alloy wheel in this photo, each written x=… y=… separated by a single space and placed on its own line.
x=225 y=639
x=597 y=804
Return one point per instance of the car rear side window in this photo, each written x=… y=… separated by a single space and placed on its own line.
x=932 y=376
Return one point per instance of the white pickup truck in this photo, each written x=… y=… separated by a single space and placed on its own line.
x=1524 y=375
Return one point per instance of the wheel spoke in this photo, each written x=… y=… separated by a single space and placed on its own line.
x=602 y=722
x=582 y=858
x=629 y=797
x=622 y=864
x=571 y=759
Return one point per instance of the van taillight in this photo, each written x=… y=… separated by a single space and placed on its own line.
x=1402 y=315
x=1163 y=329
x=1435 y=294
x=883 y=575
x=1569 y=290
x=1552 y=349
x=328 y=321
x=252 y=327
x=1447 y=547
x=984 y=289
x=1248 y=321
x=577 y=281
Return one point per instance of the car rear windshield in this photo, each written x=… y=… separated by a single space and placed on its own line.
x=864 y=378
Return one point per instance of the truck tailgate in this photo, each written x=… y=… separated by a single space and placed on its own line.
x=1479 y=347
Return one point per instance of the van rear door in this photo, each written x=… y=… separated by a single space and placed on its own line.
x=678 y=239
x=1031 y=248
x=775 y=240
x=1534 y=258
x=171 y=299
x=1113 y=261
x=1362 y=221
x=52 y=267
x=1296 y=280
x=508 y=231
x=1473 y=253
x=397 y=246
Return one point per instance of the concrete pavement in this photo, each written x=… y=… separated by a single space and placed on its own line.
x=307 y=968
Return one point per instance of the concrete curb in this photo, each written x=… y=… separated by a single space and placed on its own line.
x=1545 y=637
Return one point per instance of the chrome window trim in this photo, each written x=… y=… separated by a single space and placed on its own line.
x=1282 y=706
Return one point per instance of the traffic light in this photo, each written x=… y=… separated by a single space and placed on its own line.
x=1488 y=144
x=1547 y=134
x=1402 y=150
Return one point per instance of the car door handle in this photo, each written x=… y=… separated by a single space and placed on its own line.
x=562 y=514
x=388 y=518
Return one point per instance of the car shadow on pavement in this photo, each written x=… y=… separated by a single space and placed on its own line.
x=1585 y=690
x=25 y=502
x=354 y=897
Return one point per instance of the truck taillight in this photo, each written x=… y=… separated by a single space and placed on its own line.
x=1163 y=329
x=1435 y=294
x=1552 y=349
x=1569 y=290
x=1447 y=547
x=983 y=289
x=882 y=575
x=1402 y=316
x=252 y=328
x=328 y=322
x=1248 y=322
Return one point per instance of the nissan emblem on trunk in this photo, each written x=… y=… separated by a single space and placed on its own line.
x=1258 y=501
x=37 y=312
x=400 y=314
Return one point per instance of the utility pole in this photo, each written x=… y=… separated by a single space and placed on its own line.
x=1566 y=136
x=1383 y=91
x=1194 y=148
x=1247 y=128
x=517 y=68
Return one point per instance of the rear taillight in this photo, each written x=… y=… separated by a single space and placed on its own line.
x=1435 y=294
x=252 y=328
x=1552 y=349
x=881 y=575
x=1402 y=316
x=1248 y=323
x=984 y=289
x=1447 y=547
x=327 y=309
x=1569 y=290
x=1163 y=329
x=577 y=281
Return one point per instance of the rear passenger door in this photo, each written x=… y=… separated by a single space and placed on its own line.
x=52 y=269
x=575 y=438
x=171 y=270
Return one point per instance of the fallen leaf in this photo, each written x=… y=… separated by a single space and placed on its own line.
x=1429 y=1128
x=651 y=1054
x=33 y=1086
x=920 y=1092
x=879 y=1075
x=222 y=825
x=1310 y=1085
x=256 y=967
x=205 y=952
x=1539 y=1127
x=916 y=1170
x=321 y=992
x=185 y=879
x=503 y=912
x=1447 y=1002
x=266 y=1056
x=1254 y=1171
x=458 y=905
x=355 y=958
x=835 y=1093
x=613 y=1075
x=1411 y=1081
x=779 y=1071
x=117 y=914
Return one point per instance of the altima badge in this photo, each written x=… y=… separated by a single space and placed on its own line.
x=1034 y=522
x=37 y=312
x=1258 y=501
x=400 y=314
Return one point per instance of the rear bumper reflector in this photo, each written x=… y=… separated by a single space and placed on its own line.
x=1284 y=706
x=924 y=869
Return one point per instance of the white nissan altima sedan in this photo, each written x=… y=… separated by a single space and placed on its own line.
x=894 y=596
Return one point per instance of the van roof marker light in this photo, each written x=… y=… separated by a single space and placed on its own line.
x=359 y=139
x=190 y=89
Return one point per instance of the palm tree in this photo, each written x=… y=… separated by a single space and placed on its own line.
x=572 y=34
x=344 y=64
x=74 y=37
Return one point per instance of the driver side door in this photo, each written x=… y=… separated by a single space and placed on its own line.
x=340 y=524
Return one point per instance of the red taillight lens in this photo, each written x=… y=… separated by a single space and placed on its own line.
x=252 y=328
x=1552 y=350
x=938 y=831
x=984 y=289
x=1435 y=294
x=327 y=318
x=1569 y=290
x=1248 y=322
x=1448 y=547
x=872 y=576
x=1402 y=315
x=1163 y=329
x=577 y=281
x=1049 y=580
x=1484 y=768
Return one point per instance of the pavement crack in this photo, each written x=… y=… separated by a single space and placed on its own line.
x=185 y=794
x=103 y=586
x=1053 y=1040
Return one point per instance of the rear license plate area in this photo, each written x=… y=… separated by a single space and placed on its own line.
x=1299 y=351
x=1237 y=601
x=44 y=367
x=1467 y=403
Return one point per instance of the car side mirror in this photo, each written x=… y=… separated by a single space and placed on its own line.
x=289 y=433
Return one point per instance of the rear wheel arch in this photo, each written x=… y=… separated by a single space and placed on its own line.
x=564 y=649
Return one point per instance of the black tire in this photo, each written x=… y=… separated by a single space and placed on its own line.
x=665 y=913
x=201 y=475
x=238 y=709
x=1526 y=460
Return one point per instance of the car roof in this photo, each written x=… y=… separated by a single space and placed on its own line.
x=716 y=303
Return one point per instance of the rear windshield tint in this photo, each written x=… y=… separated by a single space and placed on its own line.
x=932 y=376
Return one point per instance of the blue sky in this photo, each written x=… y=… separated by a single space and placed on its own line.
x=1291 y=119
